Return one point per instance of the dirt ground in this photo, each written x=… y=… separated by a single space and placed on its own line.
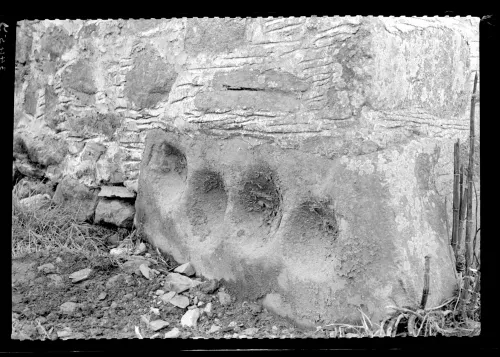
x=121 y=307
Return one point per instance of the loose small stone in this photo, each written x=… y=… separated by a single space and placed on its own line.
x=158 y=325
x=224 y=298
x=80 y=275
x=190 y=318
x=47 y=268
x=214 y=328
x=68 y=307
x=208 y=308
x=180 y=301
x=186 y=269
x=173 y=333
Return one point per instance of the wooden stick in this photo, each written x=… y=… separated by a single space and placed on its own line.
x=425 y=293
x=461 y=196
x=468 y=231
x=456 y=196
x=463 y=212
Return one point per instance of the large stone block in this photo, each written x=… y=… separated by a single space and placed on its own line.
x=42 y=148
x=313 y=180
x=150 y=80
x=75 y=194
x=315 y=238
x=117 y=212
x=79 y=79
x=55 y=41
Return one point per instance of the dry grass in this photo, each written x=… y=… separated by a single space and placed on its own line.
x=53 y=226
x=443 y=320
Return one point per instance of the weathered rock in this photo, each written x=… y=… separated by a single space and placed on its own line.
x=47 y=268
x=64 y=333
x=150 y=80
x=113 y=241
x=144 y=269
x=224 y=298
x=141 y=249
x=27 y=169
x=115 y=280
x=42 y=148
x=179 y=301
x=119 y=251
x=35 y=202
x=185 y=269
x=80 y=275
x=179 y=283
x=133 y=266
x=116 y=212
x=209 y=286
x=26 y=187
x=71 y=192
x=208 y=309
x=168 y=296
x=115 y=192
x=250 y=331
x=190 y=318
x=56 y=280
x=173 y=333
x=255 y=308
x=158 y=325
x=214 y=328
x=79 y=79
x=68 y=307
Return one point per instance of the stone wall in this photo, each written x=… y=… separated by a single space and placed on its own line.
x=350 y=118
x=79 y=83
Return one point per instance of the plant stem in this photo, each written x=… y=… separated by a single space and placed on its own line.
x=456 y=196
x=425 y=293
x=468 y=232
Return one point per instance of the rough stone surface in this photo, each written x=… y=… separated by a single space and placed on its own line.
x=224 y=298
x=150 y=80
x=116 y=212
x=179 y=301
x=114 y=280
x=68 y=307
x=173 y=333
x=56 y=280
x=80 y=275
x=190 y=318
x=185 y=269
x=179 y=283
x=303 y=160
x=115 y=192
x=133 y=266
x=47 y=268
x=158 y=325
x=168 y=296
x=71 y=191
x=26 y=187
x=36 y=201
